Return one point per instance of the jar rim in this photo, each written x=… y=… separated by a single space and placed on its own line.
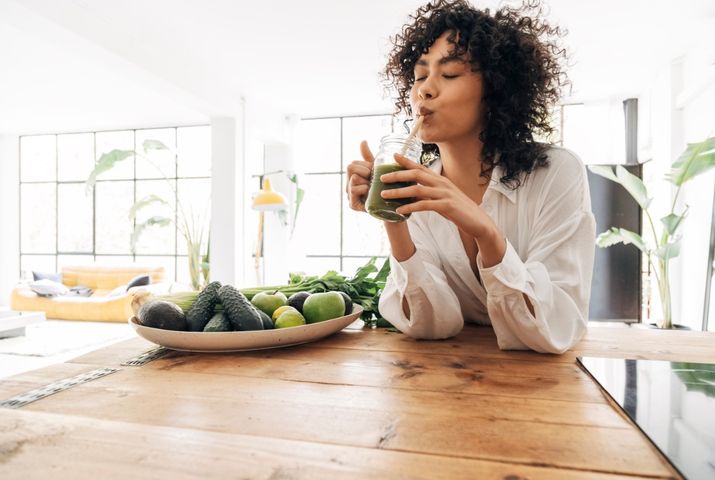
x=401 y=137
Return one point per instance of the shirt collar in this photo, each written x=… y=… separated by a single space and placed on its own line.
x=494 y=183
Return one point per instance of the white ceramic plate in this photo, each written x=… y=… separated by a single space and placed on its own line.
x=248 y=340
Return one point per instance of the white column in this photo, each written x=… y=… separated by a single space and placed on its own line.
x=226 y=198
x=9 y=217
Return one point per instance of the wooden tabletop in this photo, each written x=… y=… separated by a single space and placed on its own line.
x=360 y=404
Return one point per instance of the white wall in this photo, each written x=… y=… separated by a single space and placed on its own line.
x=9 y=221
x=668 y=125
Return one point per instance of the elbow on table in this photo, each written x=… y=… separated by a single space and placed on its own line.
x=432 y=331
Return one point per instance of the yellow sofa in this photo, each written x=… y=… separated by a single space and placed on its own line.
x=99 y=307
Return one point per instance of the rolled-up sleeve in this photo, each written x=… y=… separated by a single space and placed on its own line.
x=420 y=280
x=554 y=271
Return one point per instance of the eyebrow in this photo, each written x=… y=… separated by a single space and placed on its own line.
x=442 y=61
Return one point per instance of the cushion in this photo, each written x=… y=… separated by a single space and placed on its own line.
x=138 y=281
x=55 y=277
x=48 y=288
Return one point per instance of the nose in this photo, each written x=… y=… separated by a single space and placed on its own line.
x=426 y=89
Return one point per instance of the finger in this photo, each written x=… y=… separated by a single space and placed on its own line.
x=360 y=168
x=365 y=152
x=419 y=175
x=359 y=190
x=420 y=206
x=407 y=163
x=413 y=191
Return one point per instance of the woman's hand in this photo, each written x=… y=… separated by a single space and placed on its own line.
x=359 y=173
x=436 y=193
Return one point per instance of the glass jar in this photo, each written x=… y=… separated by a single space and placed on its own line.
x=384 y=208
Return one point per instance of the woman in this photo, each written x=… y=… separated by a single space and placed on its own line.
x=501 y=230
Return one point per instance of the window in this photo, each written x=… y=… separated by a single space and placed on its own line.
x=63 y=223
x=333 y=236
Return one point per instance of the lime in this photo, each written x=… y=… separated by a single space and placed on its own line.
x=277 y=313
x=290 y=318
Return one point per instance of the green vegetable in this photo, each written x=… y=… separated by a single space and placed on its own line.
x=240 y=312
x=218 y=323
x=364 y=288
x=203 y=308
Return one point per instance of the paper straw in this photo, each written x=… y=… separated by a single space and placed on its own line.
x=415 y=129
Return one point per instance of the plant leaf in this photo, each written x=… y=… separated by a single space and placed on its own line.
x=634 y=186
x=150 y=144
x=381 y=276
x=671 y=222
x=145 y=202
x=105 y=163
x=604 y=171
x=140 y=227
x=620 y=235
x=669 y=250
x=697 y=158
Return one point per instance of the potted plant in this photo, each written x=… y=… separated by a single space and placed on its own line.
x=665 y=243
x=191 y=226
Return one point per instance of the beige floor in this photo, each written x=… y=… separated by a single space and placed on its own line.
x=55 y=341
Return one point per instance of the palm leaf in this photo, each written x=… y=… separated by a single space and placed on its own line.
x=145 y=202
x=671 y=222
x=697 y=158
x=604 y=171
x=620 y=235
x=105 y=163
x=633 y=185
x=150 y=144
x=140 y=227
x=669 y=250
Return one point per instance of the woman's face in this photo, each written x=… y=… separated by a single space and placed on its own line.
x=448 y=94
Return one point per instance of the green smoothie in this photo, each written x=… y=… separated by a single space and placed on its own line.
x=384 y=208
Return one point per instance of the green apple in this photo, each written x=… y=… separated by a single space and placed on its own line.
x=323 y=306
x=290 y=318
x=269 y=302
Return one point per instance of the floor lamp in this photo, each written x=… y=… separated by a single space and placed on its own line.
x=265 y=200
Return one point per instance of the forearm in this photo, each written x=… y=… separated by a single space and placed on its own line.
x=401 y=243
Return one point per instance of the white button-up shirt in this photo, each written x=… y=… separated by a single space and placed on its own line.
x=550 y=232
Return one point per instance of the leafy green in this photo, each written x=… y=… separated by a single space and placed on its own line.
x=364 y=287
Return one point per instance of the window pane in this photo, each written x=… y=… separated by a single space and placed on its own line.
x=357 y=129
x=318 y=145
x=321 y=265
x=37 y=158
x=115 y=260
x=193 y=146
x=75 y=156
x=154 y=163
x=317 y=228
x=182 y=270
x=195 y=198
x=363 y=234
x=156 y=239
x=74 y=221
x=113 y=201
x=167 y=262
x=595 y=132
x=38 y=263
x=74 y=260
x=121 y=140
x=37 y=218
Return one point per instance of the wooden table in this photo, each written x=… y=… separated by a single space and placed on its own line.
x=360 y=404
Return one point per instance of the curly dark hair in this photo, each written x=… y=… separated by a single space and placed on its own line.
x=518 y=55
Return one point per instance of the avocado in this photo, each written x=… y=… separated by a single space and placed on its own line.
x=162 y=314
x=297 y=300
x=348 y=303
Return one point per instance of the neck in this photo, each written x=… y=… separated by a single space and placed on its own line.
x=462 y=165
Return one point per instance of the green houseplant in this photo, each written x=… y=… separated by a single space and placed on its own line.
x=665 y=243
x=193 y=227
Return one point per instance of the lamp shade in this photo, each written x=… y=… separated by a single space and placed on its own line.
x=268 y=199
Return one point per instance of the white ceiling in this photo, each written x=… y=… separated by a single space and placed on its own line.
x=93 y=64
